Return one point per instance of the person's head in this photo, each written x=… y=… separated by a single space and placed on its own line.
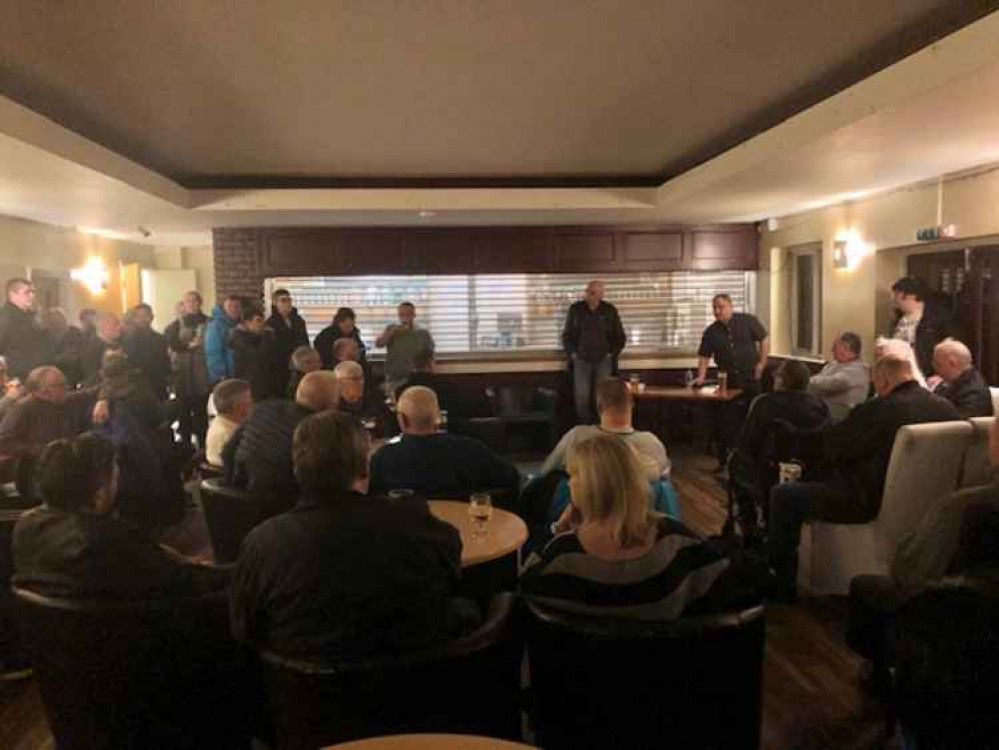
x=594 y=293
x=77 y=475
x=350 y=378
x=418 y=411
x=108 y=327
x=889 y=372
x=344 y=320
x=254 y=321
x=330 y=453
x=233 y=399
x=318 y=391
x=908 y=295
x=607 y=486
x=47 y=383
x=407 y=313
x=721 y=306
x=142 y=315
x=345 y=350
x=88 y=319
x=54 y=320
x=950 y=359
x=233 y=307
x=306 y=359
x=614 y=401
x=423 y=361
x=192 y=303
x=846 y=347
x=21 y=293
x=281 y=299
x=792 y=375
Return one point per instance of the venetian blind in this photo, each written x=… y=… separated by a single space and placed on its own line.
x=520 y=312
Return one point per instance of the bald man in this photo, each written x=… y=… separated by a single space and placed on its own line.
x=258 y=456
x=433 y=463
x=363 y=402
x=962 y=385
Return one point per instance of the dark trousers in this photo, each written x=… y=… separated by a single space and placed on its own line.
x=726 y=422
x=192 y=413
x=870 y=628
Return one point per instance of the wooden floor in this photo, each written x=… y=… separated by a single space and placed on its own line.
x=811 y=697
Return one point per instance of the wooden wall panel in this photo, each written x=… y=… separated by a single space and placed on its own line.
x=652 y=251
x=586 y=251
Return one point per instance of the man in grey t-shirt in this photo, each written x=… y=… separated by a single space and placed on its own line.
x=404 y=341
x=843 y=383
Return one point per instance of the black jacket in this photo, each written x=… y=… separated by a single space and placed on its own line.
x=258 y=455
x=254 y=357
x=147 y=352
x=934 y=327
x=860 y=446
x=92 y=357
x=346 y=576
x=806 y=412
x=970 y=394
x=328 y=337
x=66 y=350
x=288 y=336
x=593 y=335
x=23 y=343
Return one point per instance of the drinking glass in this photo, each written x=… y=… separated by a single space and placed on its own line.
x=480 y=508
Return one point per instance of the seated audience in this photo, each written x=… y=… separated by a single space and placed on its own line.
x=258 y=456
x=147 y=351
x=846 y=381
x=73 y=546
x=304 y=360
x=859 y=448
x=341 y=328
x=252 y=345
x=436 y=464
x=233 y=401
x=47 y=412
x=613 y=557
x=364 y=403
x=108 y=338
x=900 y=350
x=344 y=576
x=962 y=384
x=615 y=404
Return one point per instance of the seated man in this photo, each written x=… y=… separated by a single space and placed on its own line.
x=962 y=384
x=364 y=403
x=845 y=382
x=615 y=405
x=436 y=464
x=233 y=401
x=342 y=575
x=859 y=448
x=345 y=350
x=304 y=360
x=258 y=456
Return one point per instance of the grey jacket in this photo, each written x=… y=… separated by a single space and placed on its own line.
x=842 y=385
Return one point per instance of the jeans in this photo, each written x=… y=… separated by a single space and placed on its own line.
x=585 y=376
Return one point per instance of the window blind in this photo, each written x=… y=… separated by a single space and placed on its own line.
x=520 y=312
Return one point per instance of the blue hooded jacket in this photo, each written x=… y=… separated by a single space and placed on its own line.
x=219 y=356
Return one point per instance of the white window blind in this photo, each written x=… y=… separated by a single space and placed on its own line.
x=520 y=312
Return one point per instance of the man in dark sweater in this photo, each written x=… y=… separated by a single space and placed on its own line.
x=437 y=464
x=593 y=338
x=147 y=351
x=22 y=341
x=289 y=334
x=962 y=385
x=859 y=448
x=343 y=576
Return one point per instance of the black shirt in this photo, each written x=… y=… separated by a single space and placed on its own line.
x=346 y=576
x=733 y=345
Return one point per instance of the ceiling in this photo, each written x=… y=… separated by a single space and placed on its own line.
x=328 y=92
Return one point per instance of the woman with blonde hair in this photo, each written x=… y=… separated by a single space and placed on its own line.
x=613 y=556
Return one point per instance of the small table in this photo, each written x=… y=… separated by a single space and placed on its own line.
x=665 y=396
x=430 y=742
x=507 y=532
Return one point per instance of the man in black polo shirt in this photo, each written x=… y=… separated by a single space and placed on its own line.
x=740 y=345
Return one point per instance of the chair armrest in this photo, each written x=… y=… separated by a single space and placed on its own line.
x=495 y=627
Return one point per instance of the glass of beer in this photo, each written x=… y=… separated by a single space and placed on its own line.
x=722 y=381
x=480 y=508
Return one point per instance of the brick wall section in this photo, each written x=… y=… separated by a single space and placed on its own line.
x=237 y=264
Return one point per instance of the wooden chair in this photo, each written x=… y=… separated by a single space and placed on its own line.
x=468 y=686
x=621 y=683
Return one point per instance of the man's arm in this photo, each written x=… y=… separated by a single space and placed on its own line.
x=569 y=334
x=386 y=336
x=702 y=370
x=829 y=384
x=618 y=336
x=764 y=354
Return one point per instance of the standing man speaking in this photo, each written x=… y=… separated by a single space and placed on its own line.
x=593 y=338
x=404 y=342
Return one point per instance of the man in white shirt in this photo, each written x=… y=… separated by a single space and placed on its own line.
x=233 y=402
x=843 y=383
x=615 y=405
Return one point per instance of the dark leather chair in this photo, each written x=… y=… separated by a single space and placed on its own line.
x=525 y=412
x=617 y=683
x=138 y=674
x=468 y=686
x=14 y=655
x=231 y=514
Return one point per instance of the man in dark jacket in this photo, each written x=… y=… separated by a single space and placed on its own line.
x=147 y=351
x=289 y=334
x=962 y=385
x=108 y=339
x=252 y=345
x=593 y=338
x=859 y=448
x=22 y=341
x=344 y=576
x=66 y=344
x=919 y=323
x=186 y=338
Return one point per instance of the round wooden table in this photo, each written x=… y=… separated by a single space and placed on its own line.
x=430 y=742
x=507 y=533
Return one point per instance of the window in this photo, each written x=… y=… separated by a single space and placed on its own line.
x=806 y=299
x=520 y=312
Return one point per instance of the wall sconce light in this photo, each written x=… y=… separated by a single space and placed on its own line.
x=848 y=250
x=839 y=259
x=93 y=275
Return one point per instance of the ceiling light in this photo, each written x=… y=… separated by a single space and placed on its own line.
x=93 y=275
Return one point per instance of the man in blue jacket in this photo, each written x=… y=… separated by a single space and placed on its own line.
x=218 y=355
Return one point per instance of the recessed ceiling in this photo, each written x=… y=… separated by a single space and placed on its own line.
x=327 y=92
